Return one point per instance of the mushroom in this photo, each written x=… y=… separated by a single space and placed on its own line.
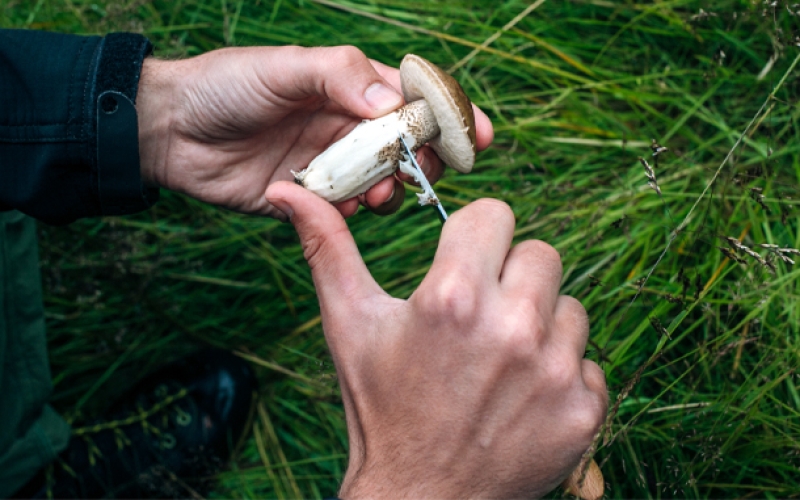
x=438 y=112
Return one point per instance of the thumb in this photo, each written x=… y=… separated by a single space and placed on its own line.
x=340 y=275
x=342 y=74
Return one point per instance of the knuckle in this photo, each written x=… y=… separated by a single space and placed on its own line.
x=520 y=345
x=453 y=300
x=527 y=321
x=600 y=403
x=346 y=56
x=595 y=379
x=519 y=339
x=542 y=252
x=574 y=312
x=586 y=421
x=559 y=375
x=524 y=328
x=540 y=259
x=315 y=245
x=589 y=414
x=573 y=305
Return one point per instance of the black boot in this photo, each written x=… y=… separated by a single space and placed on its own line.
x=175 y=428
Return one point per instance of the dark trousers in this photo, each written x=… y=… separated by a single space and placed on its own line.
x=31 y=432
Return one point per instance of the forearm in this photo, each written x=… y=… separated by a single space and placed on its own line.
x=59 y=158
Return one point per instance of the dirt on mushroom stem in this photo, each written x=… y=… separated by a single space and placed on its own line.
x=369 y=153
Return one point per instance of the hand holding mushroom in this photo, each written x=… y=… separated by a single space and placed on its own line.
x=438 y=112
x=223 y=126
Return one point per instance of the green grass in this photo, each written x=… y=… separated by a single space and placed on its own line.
x=576 y=91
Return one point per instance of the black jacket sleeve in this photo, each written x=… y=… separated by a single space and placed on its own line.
x=68 y=131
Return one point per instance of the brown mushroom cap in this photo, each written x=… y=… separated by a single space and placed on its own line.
x=421 y=79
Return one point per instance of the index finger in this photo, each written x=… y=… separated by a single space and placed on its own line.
x=474 y=244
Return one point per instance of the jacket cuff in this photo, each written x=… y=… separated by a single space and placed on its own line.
x=120 y=188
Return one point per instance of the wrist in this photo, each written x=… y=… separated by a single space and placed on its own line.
x=395 y=485
x=155 y=109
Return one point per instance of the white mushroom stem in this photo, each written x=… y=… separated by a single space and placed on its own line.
x=369 y=153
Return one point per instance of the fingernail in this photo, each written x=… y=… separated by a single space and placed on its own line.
x=387 y=200
x=283 y=207
x=382 y=98
x=392 y=204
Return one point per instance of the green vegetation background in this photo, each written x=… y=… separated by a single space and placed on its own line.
x=701 y=352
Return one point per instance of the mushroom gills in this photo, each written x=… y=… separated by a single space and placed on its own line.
x=370 y=152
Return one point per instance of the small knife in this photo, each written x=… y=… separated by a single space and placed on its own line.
x=427 y=197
